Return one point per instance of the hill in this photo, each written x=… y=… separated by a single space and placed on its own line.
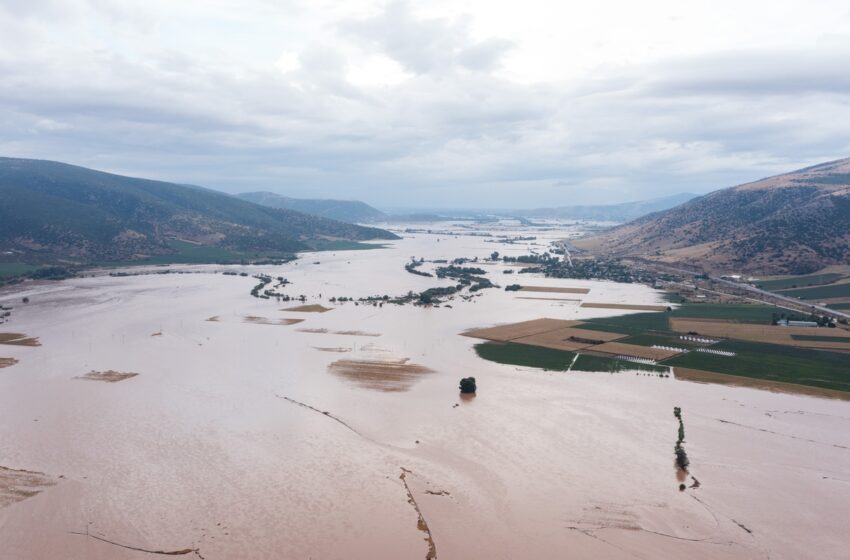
x=794 y=223
x=352 y=211
x=622 y=212
x=54 y=211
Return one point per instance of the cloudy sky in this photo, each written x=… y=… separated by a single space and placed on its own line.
x=458 y=103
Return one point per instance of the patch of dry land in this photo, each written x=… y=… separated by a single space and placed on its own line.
x=18 y=485
x=254 y=320
x=382 y=375
x=555 y=290
x=239 y=442
x=555 y=334
x=624 y=306
x=511 y=331
x=18 y=339
x=774 y=334
x=109 y=376
x=569 y=338
x=701 y=376
x=7 y=362
x=634 y=351
x=312 y=308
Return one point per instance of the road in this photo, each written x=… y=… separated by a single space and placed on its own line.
x=773 y=296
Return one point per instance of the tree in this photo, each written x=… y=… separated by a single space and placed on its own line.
x=467 y=385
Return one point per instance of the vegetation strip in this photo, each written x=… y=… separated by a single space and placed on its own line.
x=180 y=552
x=322 y=412
x=421 y=524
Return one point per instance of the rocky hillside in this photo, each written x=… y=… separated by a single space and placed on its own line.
x=622 y=212
x=793 y=223
x=352 y=211
x=51 y=211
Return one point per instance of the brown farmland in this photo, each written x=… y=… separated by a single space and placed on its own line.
x=625 y=306
x=568 y=339
x=623 y=349
x=314 y=308
x=511 y=331
x=701 y=376
x=772 y=334
x=266 y=321
x=555 y=290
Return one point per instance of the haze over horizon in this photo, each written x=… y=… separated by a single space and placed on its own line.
x=444 y=104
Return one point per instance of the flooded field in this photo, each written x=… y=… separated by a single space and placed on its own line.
x=345 y=436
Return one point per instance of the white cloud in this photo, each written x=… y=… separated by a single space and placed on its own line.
x=455 y=103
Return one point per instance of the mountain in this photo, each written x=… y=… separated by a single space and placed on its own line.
x=352 y=211
x=623 y=212
x=51 y=210
x=794 y=223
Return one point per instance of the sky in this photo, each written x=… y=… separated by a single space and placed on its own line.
x=461 y=103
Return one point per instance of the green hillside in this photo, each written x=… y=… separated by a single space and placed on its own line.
x=53 y=211
x=352 y=211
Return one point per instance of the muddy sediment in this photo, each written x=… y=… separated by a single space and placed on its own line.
x=421 y=524
x=18 y=339
x=7 y=362
x=381 y=375
x=17 y=485
x=109 y=376
x=312 y=308
x=254 y=320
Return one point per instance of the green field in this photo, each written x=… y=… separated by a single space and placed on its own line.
x=648 y=339
x=839 y=306
x=189 y=253
x=343 y=245
x=820 y=292
x=772 y=362
x=749 y=313
x=634 y=324
x=817 y=338
x=657 y=322
x=815 y=368
x=15 y=269
x=555 y=360
x=586 y=362
x=799 y=281
x=523 y=355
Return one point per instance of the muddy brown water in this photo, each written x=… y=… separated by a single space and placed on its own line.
x=203 y=451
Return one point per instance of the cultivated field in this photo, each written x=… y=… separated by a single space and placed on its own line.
x=504 y=333
x=625 y=306
x=633 y=350
x=555 y=290
x=799 y=281
x=569 y=338
x=772 y=334
x=820 y=292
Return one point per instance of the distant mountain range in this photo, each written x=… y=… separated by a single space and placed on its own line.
x=352 y=211
x=794 y=223
x=622 y=212
x=51 y=210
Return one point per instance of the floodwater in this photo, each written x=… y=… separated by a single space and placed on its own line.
x=238 y=439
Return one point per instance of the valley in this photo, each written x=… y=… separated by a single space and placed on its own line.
x=338 y=417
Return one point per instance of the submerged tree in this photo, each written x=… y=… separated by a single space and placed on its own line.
x=467 y=385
